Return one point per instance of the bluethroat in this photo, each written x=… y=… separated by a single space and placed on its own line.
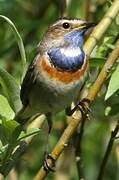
x=55 y=77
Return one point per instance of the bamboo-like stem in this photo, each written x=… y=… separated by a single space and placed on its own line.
x=101 y=27
x=90 y=44
x=108 y=151
x=92 y=94
x=87 y=10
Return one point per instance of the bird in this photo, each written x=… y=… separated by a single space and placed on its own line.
x=56 y=75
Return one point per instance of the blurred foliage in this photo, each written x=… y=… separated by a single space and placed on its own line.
x=32 y=18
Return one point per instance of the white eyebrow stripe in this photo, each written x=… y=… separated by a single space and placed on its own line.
x=73 y=21
x=71 y=52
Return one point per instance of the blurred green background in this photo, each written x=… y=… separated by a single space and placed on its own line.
x=32 y=17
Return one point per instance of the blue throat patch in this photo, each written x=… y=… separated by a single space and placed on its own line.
x=69 y=58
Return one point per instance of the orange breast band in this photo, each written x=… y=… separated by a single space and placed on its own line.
x=65 y=77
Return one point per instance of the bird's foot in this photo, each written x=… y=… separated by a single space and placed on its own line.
x=46 y=165
x=85 y=110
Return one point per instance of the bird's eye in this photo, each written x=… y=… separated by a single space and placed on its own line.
x=66 y=25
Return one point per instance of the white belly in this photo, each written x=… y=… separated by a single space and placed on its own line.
x=51 y=96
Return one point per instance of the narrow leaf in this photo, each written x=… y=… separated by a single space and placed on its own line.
x=29 y=132
x=19 y=41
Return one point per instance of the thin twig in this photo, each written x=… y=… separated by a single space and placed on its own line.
x=108 y=151
x=78 y=150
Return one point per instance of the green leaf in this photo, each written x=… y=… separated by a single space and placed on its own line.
x=19 y=41
x=97 y=62
x=29 y=132
x=11 y=90
x=105 y=47
x=113 y=84
x=114 y=109
x=8 y=131
x=5 y=109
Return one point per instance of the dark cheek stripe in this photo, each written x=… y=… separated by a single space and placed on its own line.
x=64 y=77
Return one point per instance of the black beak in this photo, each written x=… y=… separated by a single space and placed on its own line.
x=89 y=25
x=85 y=26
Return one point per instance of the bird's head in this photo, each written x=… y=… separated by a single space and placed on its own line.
x=65 y=31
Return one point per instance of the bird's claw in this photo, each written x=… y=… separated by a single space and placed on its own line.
x=46 y=164
x=85 y=110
